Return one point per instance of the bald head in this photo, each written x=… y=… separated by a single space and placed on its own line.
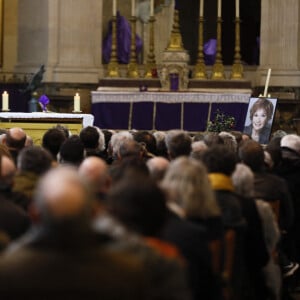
x=95 y=171
x=17 y=133
x=157 y=166
x=15 y=138
x=62 y=194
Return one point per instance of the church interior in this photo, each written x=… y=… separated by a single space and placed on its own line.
x=149 y=182
x=211 y=49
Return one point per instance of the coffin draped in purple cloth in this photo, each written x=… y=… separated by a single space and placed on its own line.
x=123 y=41
x=210 y=50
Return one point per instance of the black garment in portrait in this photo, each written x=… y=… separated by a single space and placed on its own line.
x=264 y=134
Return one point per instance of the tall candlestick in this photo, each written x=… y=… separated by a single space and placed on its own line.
x=114 y=8
x=237 y=8
x=219 y=8
x=151 y=8
x=5 y=101
x=76 y=103
x=267 y=83
x=201 y=8
x=133 y=8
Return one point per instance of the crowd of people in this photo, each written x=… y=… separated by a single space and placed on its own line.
x=149 y=215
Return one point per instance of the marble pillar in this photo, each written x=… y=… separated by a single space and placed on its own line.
x=279 y=48
x=65 y=36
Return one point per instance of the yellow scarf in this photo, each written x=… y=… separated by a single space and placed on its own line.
x=220 y=181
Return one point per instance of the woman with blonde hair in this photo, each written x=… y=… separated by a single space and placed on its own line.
x=190 y=193
x=194 y=221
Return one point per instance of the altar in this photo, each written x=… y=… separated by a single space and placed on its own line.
x=157 y=110
x=37 y=123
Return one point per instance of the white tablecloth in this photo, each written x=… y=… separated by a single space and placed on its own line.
x=168 y=97
x=88 y=120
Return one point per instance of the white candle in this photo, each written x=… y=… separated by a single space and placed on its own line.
x=219 y=8
x=133 y=8
x=76 y=102
x=152 y=8
x=114 y=8
x=237 y=8
x=201 y=8
x=267 y=83
x=5 y=101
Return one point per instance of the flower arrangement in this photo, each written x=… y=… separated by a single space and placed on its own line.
x=221 y=122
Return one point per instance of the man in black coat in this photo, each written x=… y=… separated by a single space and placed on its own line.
x=192 y=242
x=267 y=186
x=14 y=221
x=289 y=169
x=270 y=187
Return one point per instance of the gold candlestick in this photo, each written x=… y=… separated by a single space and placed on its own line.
x=175 y=43
x=237 y=67
x=113 y=66
x=218 y=67
x=151 y=63
x=132 y=66
x=200 y=68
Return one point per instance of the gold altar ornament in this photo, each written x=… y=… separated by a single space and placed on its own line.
x=132 y=66
x=218 y=67
x=237 y=67
x=113 y=66
x=175 y=43
x=200 y=68
x=151 y=62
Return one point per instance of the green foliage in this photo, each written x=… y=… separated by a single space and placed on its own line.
x=221 y=122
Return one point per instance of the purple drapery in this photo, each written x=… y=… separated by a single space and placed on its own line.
x=123 y=41
x=174 y=82
x=168 y=115
x=44 y=101
x=210 y=50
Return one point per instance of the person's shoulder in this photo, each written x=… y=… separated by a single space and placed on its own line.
x=174 y=221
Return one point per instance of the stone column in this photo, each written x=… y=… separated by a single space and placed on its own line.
x=279 y=49
x=9 y=36
x=66 y=36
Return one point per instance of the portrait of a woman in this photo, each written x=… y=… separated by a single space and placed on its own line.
x=261 y=115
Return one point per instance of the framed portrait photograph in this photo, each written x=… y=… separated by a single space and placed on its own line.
x=259 y=119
